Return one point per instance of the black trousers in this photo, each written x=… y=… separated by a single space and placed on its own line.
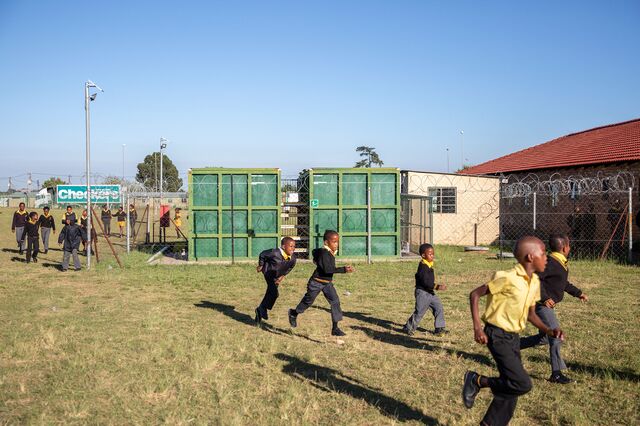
x=33 y=245
x=270 y=296
x=313 y=289
x=513 y=381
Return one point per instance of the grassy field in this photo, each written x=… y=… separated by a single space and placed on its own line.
x=177 y=344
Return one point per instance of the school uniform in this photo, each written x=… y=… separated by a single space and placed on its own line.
x=511 y=294
x=121 y=219
x=133 y=217
x=71 y=235
x=275 y=263
x=554 y=282
x=69 y=216
x=20 y=218
x=426 y=298
x=321 y=281
x=47 y=224
x=105 y=216
x=32 y=238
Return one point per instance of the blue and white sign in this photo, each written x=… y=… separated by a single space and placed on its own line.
x=77 y=194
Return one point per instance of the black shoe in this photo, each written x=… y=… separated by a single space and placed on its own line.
x=408 y=331
x=337 y=332
x=293 y=318
x=560 y=378
x=46 y=251
x=35 y=260
x=21 y=252
x=440 y=331
x=264 y=314
x=258 y=318
x=470 y=388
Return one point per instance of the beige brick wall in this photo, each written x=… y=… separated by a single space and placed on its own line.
x=477 y=202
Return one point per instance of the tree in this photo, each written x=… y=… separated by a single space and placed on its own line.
x=370 y=156
x=52 y=182
x=149 y=173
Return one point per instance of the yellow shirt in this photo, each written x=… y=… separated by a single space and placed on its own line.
x=426 y=262
x=561 y=258
x=178 y=219
x=285 y=256
x=511 y=294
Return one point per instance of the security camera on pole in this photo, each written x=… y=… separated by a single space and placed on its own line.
x=87 y=100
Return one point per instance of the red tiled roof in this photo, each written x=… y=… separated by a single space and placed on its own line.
x=607 y=144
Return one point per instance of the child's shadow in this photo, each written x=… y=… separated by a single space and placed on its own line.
x=360 y=316
x=230 y=311
x=52 y=265
x=595 y=370
x=413 y=343
x=8 y=250
x=330 y=380
x=18 y=259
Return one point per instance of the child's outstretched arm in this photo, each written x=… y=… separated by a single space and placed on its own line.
x=536 y=321
x=474 y=297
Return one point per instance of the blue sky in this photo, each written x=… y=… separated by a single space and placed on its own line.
x=296 y=84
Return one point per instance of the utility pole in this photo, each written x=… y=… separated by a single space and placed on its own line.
x=461 y=149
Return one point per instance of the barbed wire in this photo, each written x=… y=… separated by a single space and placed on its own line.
x=514 y=186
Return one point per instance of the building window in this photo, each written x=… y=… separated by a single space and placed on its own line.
x=444 y=199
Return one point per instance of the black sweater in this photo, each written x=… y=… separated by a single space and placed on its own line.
x=325 y=265
x=105 y=215
x=19 y=219
x=273 y=264
x=47 y=222
x=554 y=281
x=425 y=278
x=31 y=230
x=72 y=236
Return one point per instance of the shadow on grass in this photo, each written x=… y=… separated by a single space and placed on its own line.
x=595 y=370
x=330 y=380
x=413 y=343
x=57 y=266
x=360 y=316
x=18 y=259
x=8 y=250
x=230 y=311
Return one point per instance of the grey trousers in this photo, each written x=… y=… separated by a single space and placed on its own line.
x=107 y=226
x=548 y=317
x=45 y=237
x=424 y=301
x=19 y=231
x=313 y=289
x=65 y=259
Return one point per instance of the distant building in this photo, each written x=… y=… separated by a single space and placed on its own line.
x=455 y=209
x=579 y=184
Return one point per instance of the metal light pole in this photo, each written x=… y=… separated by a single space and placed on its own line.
x=447 y=160
x=123 y=146
x=87 y=100
x=163 y=145
x=461 y=149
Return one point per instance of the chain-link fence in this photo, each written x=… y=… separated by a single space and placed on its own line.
x=596 y=212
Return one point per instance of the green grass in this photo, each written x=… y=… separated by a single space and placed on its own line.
x=176 y=344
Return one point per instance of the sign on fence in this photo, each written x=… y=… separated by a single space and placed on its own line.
x=77 y=194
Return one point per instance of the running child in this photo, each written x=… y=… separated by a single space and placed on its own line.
x=32 y=237
x=275 y=264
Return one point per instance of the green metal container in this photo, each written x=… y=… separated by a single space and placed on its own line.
x=338 y=201
x=239 y=226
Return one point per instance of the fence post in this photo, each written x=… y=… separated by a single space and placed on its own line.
x=233 y=234
x=535 y=204
x=128 y=224
x=369 y=224
x=630 y=220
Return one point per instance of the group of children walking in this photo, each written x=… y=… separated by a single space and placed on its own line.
x=528 y=292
